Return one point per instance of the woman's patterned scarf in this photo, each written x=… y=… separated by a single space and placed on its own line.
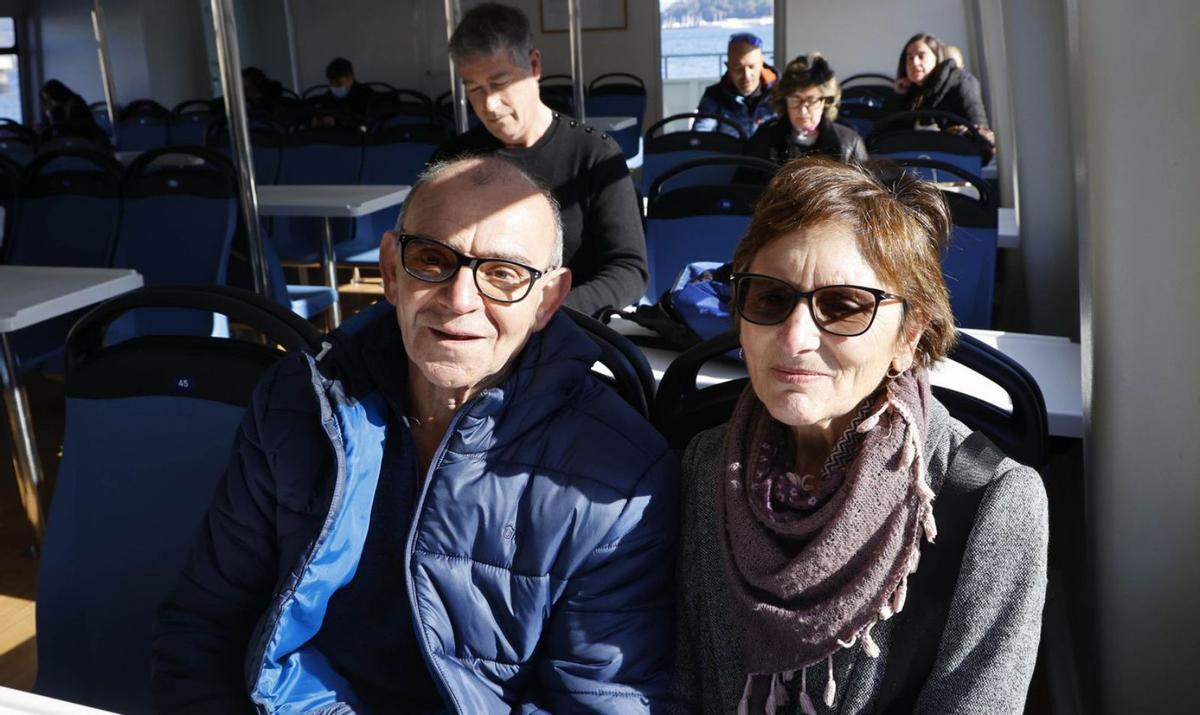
x=814 y=561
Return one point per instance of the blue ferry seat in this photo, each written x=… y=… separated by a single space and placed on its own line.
x=177 y=226
x=150 y=424
x=663 y=150
x=68 y=212
x=688 y=222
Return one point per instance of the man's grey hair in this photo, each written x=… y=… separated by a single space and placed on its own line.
x=489 y=170
x=489 y=28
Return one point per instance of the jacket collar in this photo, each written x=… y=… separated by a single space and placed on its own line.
x=367 y=355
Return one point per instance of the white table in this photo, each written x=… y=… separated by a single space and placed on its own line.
x=327 y=202
x=611 y=124
x=19 y=701
x=1054 y=363
x=30 y=295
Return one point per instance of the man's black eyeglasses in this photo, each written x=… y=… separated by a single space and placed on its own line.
x=843 y=310
x=496 y=279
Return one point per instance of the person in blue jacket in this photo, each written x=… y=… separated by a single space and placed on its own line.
x=743 y=93
x=444 y=510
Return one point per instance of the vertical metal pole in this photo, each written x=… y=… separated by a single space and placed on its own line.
x=25 y=456
x=457 y=92
x=575 y=23
x=291 y=39
x=106 y=75
x=225 y=27
x=329 y=268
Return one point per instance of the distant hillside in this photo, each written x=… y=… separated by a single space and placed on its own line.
x=691 y=12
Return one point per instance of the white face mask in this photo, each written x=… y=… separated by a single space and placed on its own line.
x=340 y=92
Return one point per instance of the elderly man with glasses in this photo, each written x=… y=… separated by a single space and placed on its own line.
x=742 y=93
x=444 y=511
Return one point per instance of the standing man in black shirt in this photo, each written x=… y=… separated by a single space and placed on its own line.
x=603 y=242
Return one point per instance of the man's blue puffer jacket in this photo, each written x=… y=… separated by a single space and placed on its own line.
x=539 y=564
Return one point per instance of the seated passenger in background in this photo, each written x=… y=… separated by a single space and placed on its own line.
x=260 y=91
x=443 y=511
x=952 y=52
x=66 y=113
x=603 y=242
x=742 y=94
x=345 y=93
x=805 y=516
x=928 y=81
x=807 y=98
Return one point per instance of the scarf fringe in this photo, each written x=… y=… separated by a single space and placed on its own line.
x=744 y=703
x=830 y=686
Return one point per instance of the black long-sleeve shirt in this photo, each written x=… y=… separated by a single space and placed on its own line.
x=603 y=242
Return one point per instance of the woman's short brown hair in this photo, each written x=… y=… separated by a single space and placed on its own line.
x=811 y=70
x=902 y=225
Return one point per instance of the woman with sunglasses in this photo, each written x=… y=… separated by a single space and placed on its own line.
x=806 y=99
x=805 y=516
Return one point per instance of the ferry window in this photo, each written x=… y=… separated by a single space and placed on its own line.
x=695 y=40
x=10 y=71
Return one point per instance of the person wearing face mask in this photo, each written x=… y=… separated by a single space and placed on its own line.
x=806 y=98
x=345 y=93
x=927 y=79
x=742 y=93
x=66 y=113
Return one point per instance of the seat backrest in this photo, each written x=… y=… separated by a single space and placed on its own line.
x=68 y=212
x=682 y=409
x=322 y=155
x=395 y=154
x=266 y=140
x=896 y=136
x=149 y=429
x=558 y=92
x=10 y=190
x=329 y=155
x=177 y=226
x=700 y=218
x=142 y=125
x=189 y=121
x=663 y=151
x=628 y=371
x=969 y=264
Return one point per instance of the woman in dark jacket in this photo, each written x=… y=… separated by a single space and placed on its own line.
x=806 y=99
x=807 y=581
x=928 y=80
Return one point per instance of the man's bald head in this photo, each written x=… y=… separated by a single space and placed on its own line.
x=474 y=173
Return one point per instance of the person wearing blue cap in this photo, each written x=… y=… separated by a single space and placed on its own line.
x=742 y=94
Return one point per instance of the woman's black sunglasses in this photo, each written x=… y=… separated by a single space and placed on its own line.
x=843 y=310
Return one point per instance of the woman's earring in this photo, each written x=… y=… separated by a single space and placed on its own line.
x=892 y=373
x=742 y=354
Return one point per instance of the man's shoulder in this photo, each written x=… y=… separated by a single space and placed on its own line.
x=586 y=140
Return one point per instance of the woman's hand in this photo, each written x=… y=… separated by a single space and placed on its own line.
x=902 y=85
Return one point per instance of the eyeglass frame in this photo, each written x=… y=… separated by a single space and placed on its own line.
x=879 y=294
x=472 y=262
x=788 y=100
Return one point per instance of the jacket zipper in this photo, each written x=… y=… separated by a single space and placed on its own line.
x=411 y=544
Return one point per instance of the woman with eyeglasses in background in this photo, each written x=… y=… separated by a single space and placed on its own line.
x=806 y=99
x=805 y=515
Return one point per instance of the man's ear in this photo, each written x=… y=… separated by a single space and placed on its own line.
x=535 y=63
x=555 y=288
x=389 y=261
